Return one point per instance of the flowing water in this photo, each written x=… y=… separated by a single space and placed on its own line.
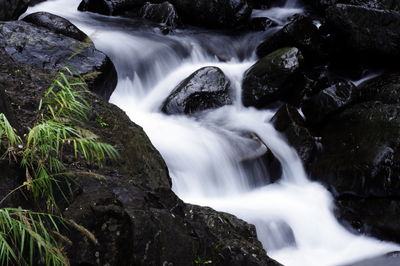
x=206 y=153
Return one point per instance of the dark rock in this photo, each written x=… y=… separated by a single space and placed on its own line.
x=43 y=48
x=206 y=88
x=127 y=205
x=385 y=88
x=260 y=4
x=271 y=79
x=360 y=154
x=163 y=13
x=289 y=122
x=321 y=5
x=35 y=2
x=213 y=14
x=57 y=24
x=261 y=24
x=301 y=33
x=110 y=7
x=371 y=32
x=371 y=216
x=12 y=9
x=390 y=259
x=328 y=101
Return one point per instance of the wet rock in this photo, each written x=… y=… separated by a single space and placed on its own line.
x=12 y=9
x=40 y=47
x=225 y=230
x=372 y=32
x=328 y=101
x=371 y=216
x=302 y=33
x=261 y=24
x=289 y=122
x=163 y=13
x=213 y=14
x=260 y=4
x=381 y=4
x=57 y=25
x=111 y=7
x=207 y=88
x=390 y=259
x=385 y=88
x=271 y=78
x=360 y=151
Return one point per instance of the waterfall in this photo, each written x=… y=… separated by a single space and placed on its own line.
x=204 y=153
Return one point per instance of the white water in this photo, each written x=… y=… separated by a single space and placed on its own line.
x=205 y=153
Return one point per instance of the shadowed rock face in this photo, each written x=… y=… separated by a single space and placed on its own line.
x=12 y=9
x=110 y=7
x=378 y=4
x=163 y=13
x=371 y=31
x=40 y=47
x=269 y=80
x=207 y=88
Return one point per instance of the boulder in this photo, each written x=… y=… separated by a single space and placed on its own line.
x=40 y=47
x=371 y=32
x=328 y=101
x=213 y=14
x=272 y=78
x=322 y=5
x=12 y=9
x=302 y=33
x=57 y=24
x=127 y=205
x=163 y=13
x=207 y=88
x=111 y=7
x=289 y=122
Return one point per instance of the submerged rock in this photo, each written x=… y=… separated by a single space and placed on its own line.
x=40 y=47
x=12 y=9
x=207 y=88
x=213 y=14
x=110 y=7
x=270 y=79
x=163 y=13
x=261 y=24
x=57 y=25
x=365 y=30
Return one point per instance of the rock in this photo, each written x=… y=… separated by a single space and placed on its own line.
x=385 y=88
x=57 y=25
x=128 y=205
x=371 y=216
x=270 y=79
x=360 y=151
x=301 y=33
x=12 y=9
x=40 y=47
x=371 y=32
x=213 y=14
x=111 y=7
x=390 y=259
x=381 y=4
x=328 y=101
x=260 y=4
x=163 y=13
x=289 y=122
x=261 y=24
x=207 y=88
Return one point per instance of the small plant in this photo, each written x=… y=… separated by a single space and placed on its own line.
x=198 y=260
x=27 y=238
x=101 y=122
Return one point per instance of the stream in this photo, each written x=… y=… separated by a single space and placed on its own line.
x=206 y=153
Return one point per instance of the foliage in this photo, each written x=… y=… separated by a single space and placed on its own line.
x=198 y=260
x=27 y=237
x=9 y=139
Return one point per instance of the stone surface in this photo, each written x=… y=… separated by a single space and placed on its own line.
x=163 y=13
x=12 y=9
x=207 y=88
